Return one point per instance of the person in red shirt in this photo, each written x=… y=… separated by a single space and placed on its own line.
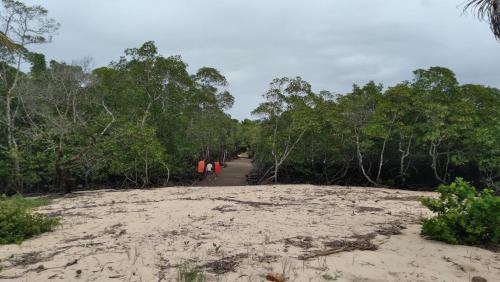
x=217 y=169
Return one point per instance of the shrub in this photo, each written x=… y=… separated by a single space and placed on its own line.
x=18 y=222
x=464 y=216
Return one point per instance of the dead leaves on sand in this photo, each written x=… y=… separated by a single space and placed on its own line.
x=225 y=264
x=357 y=242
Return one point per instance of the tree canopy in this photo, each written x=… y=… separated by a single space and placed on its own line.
x=144 y=120
x=418 y=133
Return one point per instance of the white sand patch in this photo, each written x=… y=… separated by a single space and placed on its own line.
x=241 y=234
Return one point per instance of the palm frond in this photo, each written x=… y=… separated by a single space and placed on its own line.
x=9 y=44
x=489 y=10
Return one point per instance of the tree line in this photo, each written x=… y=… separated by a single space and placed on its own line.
x=141 y=121
x=418 y=133
x=144 y=120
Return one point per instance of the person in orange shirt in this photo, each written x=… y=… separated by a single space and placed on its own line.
x=201 y=169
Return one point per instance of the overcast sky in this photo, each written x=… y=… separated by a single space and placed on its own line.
x=330 y=43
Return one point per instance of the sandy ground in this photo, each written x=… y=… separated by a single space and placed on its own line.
x=241 y=234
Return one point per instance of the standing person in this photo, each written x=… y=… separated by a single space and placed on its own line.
x=209 y=170
x=201 y=169
x=217 y=169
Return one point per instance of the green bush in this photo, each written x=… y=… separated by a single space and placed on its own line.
x=464 y=216
x=18 y=222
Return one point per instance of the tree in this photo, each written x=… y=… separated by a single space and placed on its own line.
x=399 y=105
x=487 y=9
x=358 y=110
x=23 y=26
x=284 y=99
x=166 y=118
x=207 y=125
x=415 y=134
x=151 y=82
x=62 y=111
x=480 y=134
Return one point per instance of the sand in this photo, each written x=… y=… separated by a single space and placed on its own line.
x=241 y=234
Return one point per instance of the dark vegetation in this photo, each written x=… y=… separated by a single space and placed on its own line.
x=464 y=216
x=144 y=121
x=417 y=134
x=18 y=222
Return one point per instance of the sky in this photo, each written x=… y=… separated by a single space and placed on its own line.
x=329 y=43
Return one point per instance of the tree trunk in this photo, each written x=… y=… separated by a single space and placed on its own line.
x=146 y=170
x=434 y=155
x=168 y=174
x=87 y=174
x=280 y=160
x=12 y=143
x=58 y=169
x=224 y=158
x=274 y=153
x=381 y=162
x=404 y=155
x=360 y=162
x=276 y=170
x=340 y=174
x=265 y=174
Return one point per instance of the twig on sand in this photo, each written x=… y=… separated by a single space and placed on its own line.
x=454 y=263
x=253 y=204
x=38 y=269
x=337 y=246
x=321 y=253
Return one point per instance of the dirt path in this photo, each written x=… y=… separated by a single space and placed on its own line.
x=234 y=174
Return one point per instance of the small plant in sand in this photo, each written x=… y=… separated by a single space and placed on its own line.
x=329 y=277
x=464 y=216
x=189 y=273
x=18 y=222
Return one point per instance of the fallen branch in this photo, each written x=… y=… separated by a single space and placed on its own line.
x=38 y=269
x=321 y=253
x=362 y=243
x=253 y=204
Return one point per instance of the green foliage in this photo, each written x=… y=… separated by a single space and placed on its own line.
x=417 y=133
x=140 y=122
x=18 y=222
x=25 y=203
x=464 y=216
x=145 y=120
